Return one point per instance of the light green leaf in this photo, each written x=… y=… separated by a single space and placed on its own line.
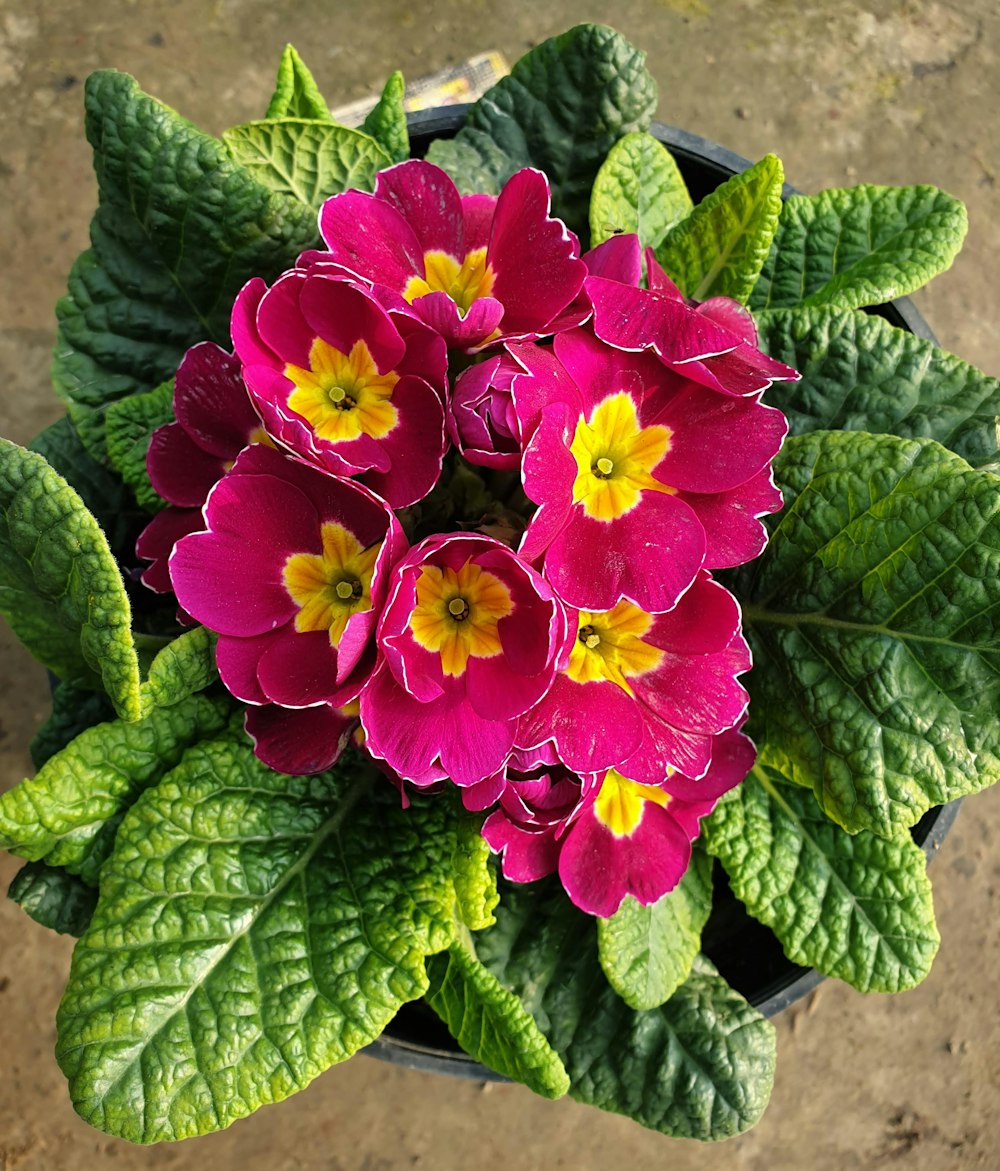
x=873 y=617
x=474 y=161
x=53 y=898
x=306 y=160
x=183 y=667
x=248 y=936
x=562 y=108
x=855 y=246
x=720 y=248
x=129 y=426
x=639 y=188
x=74 y=709
x=859 y=373
x=387 y=121
x=179 y=230
x=647 y=952
x=701 y=1066
x=857 y=907
x=60 y=588
x=491 y=1024
x=296 y=94
x=67 y=814
x=474 y=875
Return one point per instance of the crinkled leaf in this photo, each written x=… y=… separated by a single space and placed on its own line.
x=857 y=907
x=67 y=814
x=296 y=94
x=387 y=121
x=563 y=106
x=701 y=1066
x=639 y=188
x=60 y=588
x=491 y=1024
x=74 y=709
x=306 y=160
x=474 y=875
x=253 y=929
x=859 y=373
x=474 y=161
x=54 y=898
x=180 y=669
x=720 y=248
x=647 y=952
x=855 y=246
x=873 y=616
x=179 y=230
x=129 y=426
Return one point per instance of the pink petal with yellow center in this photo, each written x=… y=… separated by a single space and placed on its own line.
x=463 y=331
x=342 y=315
x=697 y=693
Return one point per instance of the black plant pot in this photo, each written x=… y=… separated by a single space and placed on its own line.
x=746 y=953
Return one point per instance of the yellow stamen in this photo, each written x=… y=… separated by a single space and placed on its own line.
x=328 y=588
x=464 y=281
x=343 y=395
x=456 y=614
x=609 y=647
x=621 y=803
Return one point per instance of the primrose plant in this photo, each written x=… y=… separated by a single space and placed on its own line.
x=401 y=566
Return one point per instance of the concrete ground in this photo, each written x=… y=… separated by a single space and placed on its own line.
x=889 y=91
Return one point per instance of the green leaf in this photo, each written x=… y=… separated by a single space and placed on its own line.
x=52 y=897
x=855 y=246
x=639 y=188
x=179 y=230
x=647 y=952
x=248 y=936
x=296 y=94
x=859 y=373
x=60 y=588
x=129 y=426
x=67 y=814
x=562 y=108
x=491 y=1024
x=183 y=667
x=873 y=617
x=701 y=1066
x=74 y=709
x=387 y=121
x=99 y=490
x=719 y=250
x=306 y=160
x=474 y=875
x=474 y=161
x=857 y=907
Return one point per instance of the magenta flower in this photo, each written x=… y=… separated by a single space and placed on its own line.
x=343 y=383
x=291 y=573
x=645 y=693
x=621 y=451
x=476 y=268
x=481 y=418
x=301 y=741
x=467 y=643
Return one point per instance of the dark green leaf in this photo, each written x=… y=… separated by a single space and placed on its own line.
x=129 y=426
x=54 y=898
x=179 y=230
x=474 y=161
x=853 y=246
x=296 y=94
x=859 y=373
x=639 y=188
x=248 y=936
x=720 y=248
x=60 y=588
x=647 y=952
x=387 y=121
x=857 y=907
x=873 y=617
x=74 y=709
x=701 y=1066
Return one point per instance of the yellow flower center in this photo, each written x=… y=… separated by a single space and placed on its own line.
x=464 y=281
x=331 y=586
x=343 y=395
x=609 y=647
x=456 y=614
x=614 y=458
x=621 y=803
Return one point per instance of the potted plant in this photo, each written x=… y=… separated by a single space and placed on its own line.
x=450 y=519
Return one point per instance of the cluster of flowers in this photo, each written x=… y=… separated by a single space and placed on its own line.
x=578 y=677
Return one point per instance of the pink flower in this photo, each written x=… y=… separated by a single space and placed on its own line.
x=481 y=418
x=476 y=268
x=621 y=455
x=291 y=573
x=467 y=643
x=301 y=741
x=343 y=383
